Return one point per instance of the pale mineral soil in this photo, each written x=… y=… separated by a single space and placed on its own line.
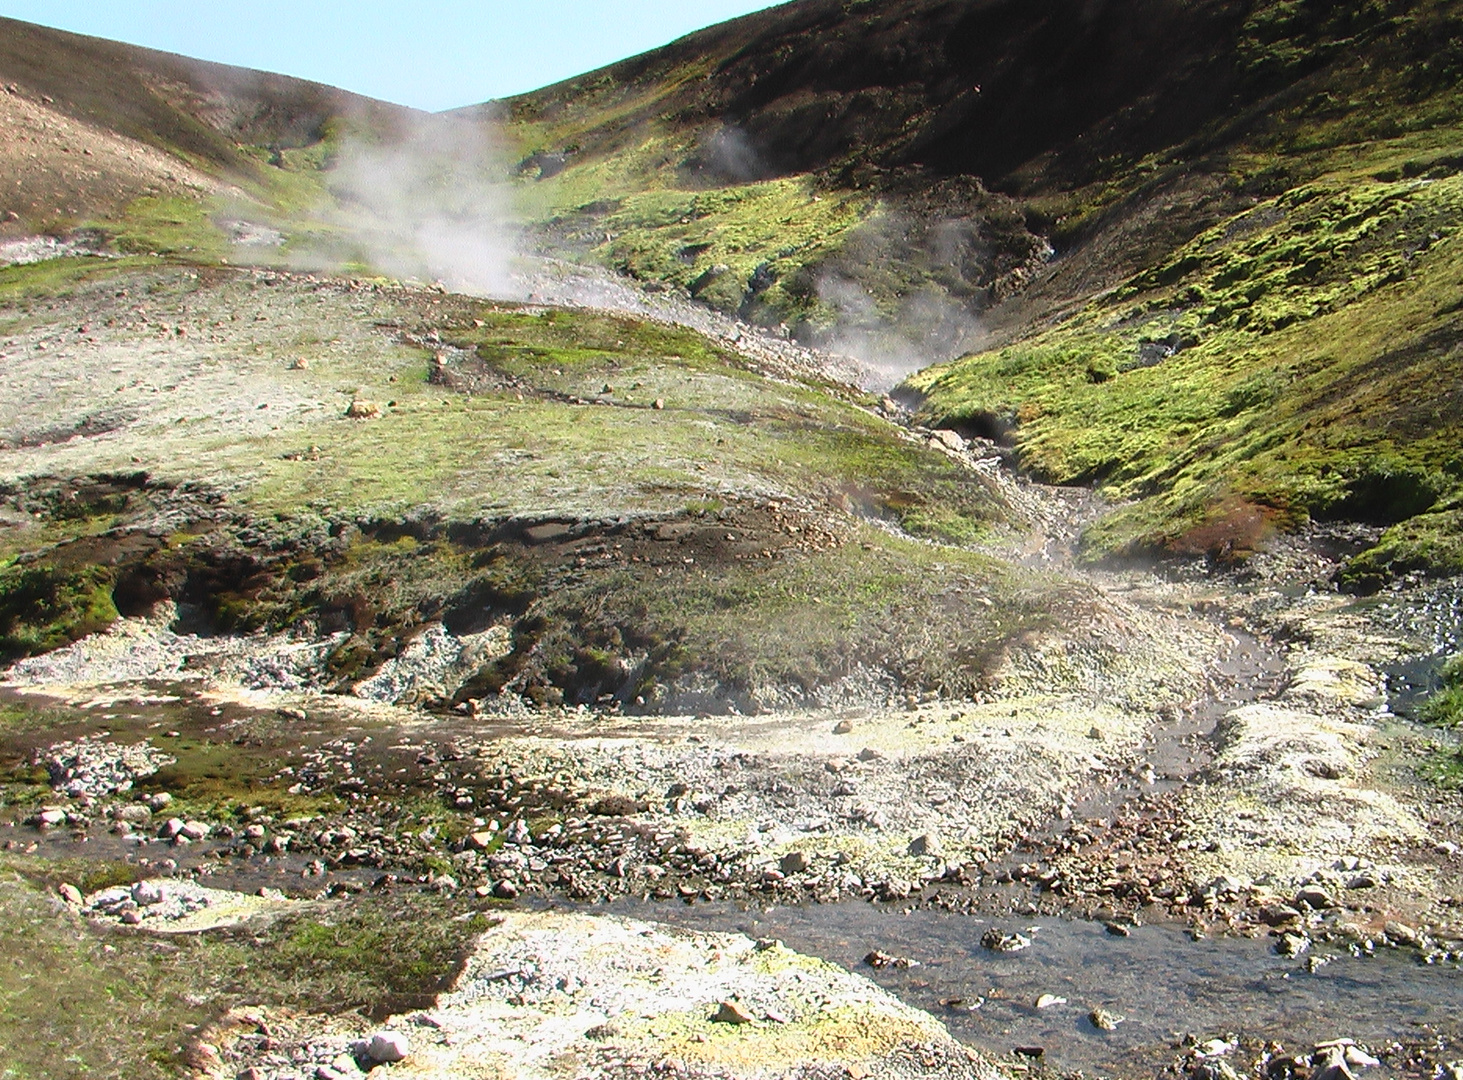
x=1206 y=745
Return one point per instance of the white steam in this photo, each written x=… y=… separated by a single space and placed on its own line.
x=430 y=203
x=929 y=327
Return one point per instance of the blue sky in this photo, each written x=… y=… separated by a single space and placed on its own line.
x=434 y=54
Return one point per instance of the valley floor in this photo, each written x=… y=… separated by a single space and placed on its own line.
x=1208 y=748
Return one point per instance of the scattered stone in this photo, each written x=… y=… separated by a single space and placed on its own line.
x=794 y=862
x=1292 y=944
x=1402 y=934
x=1047 y=1001
x=1314 y=897
x=879 y=960
x=925 y=844
x=868 y=753
x=388 y=1046
x=996 y=941
x=147 y=893
x=1117 y=929
x=518 y=833
x=363 y=410
x=732 y=1012
x=480 y=840
x=50 y=819
x=194 y=830
x=70 y=893
x=1103 y=1020
x=1278 y=914
x=95 y=768
x=171 y=828
x=843 y=727
x=658 y=404
x=505 y=890
x=160 y=801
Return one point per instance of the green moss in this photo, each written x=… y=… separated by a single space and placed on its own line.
x=1284 y=365
x=169 y=226
x=45 y=607
x=66 y=989
x=1445 y=707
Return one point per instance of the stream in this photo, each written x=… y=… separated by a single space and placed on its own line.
x=1163 y=982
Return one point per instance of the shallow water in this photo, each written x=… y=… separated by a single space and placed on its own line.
x=1164 y=983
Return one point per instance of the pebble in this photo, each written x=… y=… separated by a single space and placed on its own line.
x=923 y=845
x=732 y=1012
x=794 y=862
x=388 y=1046
x=1104 y=1020
x=69 y=892
x=147 y=893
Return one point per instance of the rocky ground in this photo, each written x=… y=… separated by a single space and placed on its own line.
x=1209 y=745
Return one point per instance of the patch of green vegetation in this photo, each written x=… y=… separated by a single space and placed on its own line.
x=60 y=277
x=1443 y=768
x=221 y=781
x=800 y=621
x=740 y=249
x=1297 y=360
x=1444 y=708
x=172 y=225
x=67 y=989
x=45 y=607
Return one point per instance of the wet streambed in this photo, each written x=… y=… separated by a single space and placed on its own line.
x=1162 y=982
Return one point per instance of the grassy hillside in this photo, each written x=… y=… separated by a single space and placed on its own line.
x=1203 y=251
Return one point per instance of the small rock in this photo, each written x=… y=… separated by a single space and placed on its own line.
x=132 y=917
x=147 y=893
x=480 y=840
x=1332 y=1066
x=194 y=830
x=794 y=862
x=388 y=1046
x=49 y=819
x=731 y=1012
x=1278 y=914
x=1358 y=1058
x=996 y=941
x=171 y=828
x=254 y=832
x=1315 y=898
x=868 y=753
x=1292 y=944
x=843 y=727
x=879 y=960
x=69 y=892
x=518 y=833
x=363 y=410
x=1117 y=929
x=160 y=801
x=925 y=844
x=505 y=890
x=1047 y=1001
x=1402 y=934
x=659 y=404
x=1103 y=1020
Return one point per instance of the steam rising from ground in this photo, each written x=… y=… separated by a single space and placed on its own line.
x=929 y=327
x=430 y=203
